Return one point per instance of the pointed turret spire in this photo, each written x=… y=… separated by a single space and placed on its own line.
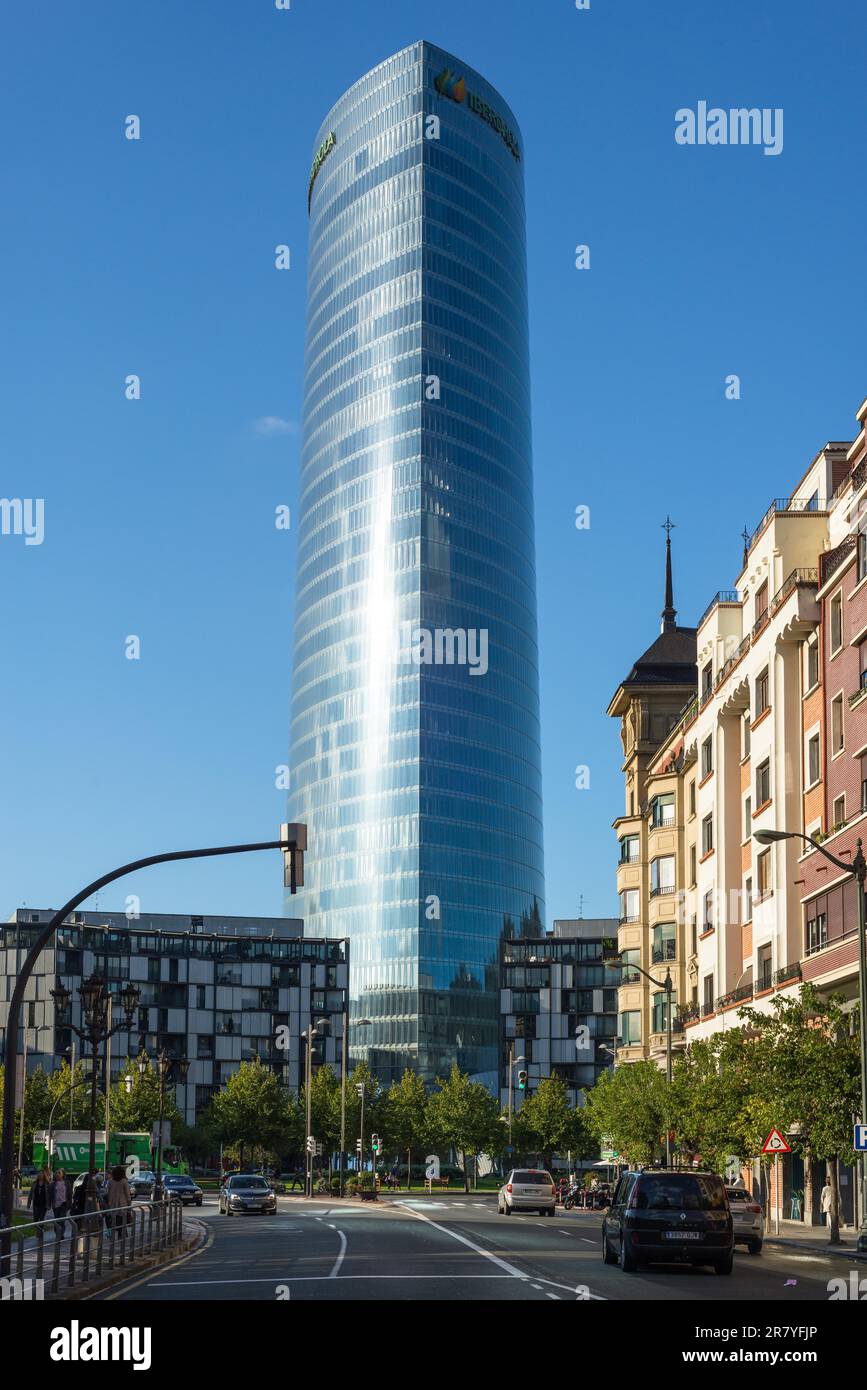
x=669 y=612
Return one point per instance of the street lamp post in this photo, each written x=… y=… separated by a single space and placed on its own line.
x=344 y=1063
x=615 y=963
x=858 y=871
x=513 y=1062
x=293 y=843
x=62 y=1096
x=315 y=1030
x=165 y=1066
x=95 y=1029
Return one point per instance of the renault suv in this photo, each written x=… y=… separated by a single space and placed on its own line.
x=527 y=1189
x=660 y=1217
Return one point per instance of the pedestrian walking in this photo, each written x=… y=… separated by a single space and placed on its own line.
x=825 y=1203
x=37 y=1197
x=118 y=1197
x=58 y=1198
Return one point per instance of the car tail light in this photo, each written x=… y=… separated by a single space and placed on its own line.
x=753 y=1206
x=508 y=1187
x=553 y=1192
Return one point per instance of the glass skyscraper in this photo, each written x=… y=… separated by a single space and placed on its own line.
x=415 y=722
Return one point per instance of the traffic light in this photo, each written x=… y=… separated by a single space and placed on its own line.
x=311 y=1144
x=358 y=1146
x=359 y=1088
x=318 y=1149
x=522 y=1081
x=293 y=838
x=376 y=1143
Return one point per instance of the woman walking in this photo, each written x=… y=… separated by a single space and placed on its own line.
x=37 y=1197
x=118 y=1195
x=59 y=1195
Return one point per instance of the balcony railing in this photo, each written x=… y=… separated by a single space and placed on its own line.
x=786 y=973
x=732 y=661
x=688 y=1013
x=735 y=996
x=786 y=505
x=708 y=1008
x=723 y=596
x=833 y=559
x=662 y=889
x=630 y=917
x=797 y=579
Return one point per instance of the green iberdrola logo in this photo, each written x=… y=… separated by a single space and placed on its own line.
x=321 y=154
x=450 y=86
x=455 y=87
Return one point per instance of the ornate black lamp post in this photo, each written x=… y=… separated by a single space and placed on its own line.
x=94 y=1031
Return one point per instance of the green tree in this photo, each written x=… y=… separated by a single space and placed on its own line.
x=714 y=1111
x=373 y=1107
x=252 y=1110
x=464 y=1113
x=405 y=1121
x=630 y=1105
x=324 y=1108
x=73 y=1108
x=138 y=1108
x=550 y=1123
x=804 y=1073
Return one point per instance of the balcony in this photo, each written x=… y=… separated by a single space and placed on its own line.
x=788 y=973
x=833 y=559
x=732 y=661
x=735 y=996
x=708 y=1008
x=662 y=890
x=630 y=917
x=687 y=1013
x=723 y=596
x=797 y=579
x=786 y=506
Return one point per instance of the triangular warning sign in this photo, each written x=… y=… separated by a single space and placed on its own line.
x=775 y=1144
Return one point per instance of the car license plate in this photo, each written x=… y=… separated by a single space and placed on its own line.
x=683 y=1235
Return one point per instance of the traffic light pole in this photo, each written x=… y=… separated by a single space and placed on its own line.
x=293 y=842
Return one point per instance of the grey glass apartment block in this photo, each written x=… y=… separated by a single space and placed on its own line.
x=213 y=989
x=415 y=725
x=558 y=1006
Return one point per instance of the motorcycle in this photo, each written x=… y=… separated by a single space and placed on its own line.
x=571 y=1197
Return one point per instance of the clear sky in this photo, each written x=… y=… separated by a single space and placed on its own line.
x=156 y=257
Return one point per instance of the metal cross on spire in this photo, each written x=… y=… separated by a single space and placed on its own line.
x=668 y=527
x=669 y=612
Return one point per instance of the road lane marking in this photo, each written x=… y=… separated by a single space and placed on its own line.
x=320 y=1278
x=465 y=1240
x=173 y=1264
x=340 y=1258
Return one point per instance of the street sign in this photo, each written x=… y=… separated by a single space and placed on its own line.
x=859 y=1142
x=775 y=1144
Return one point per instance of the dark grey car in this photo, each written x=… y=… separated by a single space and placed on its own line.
x=247 y=1192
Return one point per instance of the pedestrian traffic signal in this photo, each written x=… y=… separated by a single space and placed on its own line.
x=358 y=1146
x=311 y=1144
x=359 y=1088
x=522 y=1081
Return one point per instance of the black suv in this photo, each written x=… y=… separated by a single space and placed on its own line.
x=669 y=1218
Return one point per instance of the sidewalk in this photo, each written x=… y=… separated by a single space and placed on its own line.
x=795 y=1235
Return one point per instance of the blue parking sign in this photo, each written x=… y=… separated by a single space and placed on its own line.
x=860 y=1141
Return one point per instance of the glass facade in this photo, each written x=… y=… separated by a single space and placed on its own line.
x=415 y=722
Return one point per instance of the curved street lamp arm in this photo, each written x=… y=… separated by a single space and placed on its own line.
x=840 y=863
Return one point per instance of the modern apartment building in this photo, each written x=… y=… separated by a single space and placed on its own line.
x=415 y=724
x=558 y=1006
x=653 y=852
x=214 y=990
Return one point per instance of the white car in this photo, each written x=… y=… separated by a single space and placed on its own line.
x=527 y=1189
x=747 y=1220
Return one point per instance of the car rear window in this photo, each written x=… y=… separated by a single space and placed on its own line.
x=738 y=1194
x=680 y=1192
x=533 y=1176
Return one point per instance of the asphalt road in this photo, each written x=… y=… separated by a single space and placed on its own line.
x=452 y=1249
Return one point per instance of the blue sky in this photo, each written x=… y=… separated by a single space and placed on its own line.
x=156 y=257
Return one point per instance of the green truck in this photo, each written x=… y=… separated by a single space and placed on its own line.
x=70 y=1149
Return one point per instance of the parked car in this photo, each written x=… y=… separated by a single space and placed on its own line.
x=527 y=1189
x=747 y=1219
x=143 y=1184
x=247 y=1192
x=180 y=1186
x=663 y=1217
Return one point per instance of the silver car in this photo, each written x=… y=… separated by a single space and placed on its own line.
x=247 y=1192
x=527 y=1189
x=747 y=1220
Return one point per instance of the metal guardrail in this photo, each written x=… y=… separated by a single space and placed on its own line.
x=106 y=1239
